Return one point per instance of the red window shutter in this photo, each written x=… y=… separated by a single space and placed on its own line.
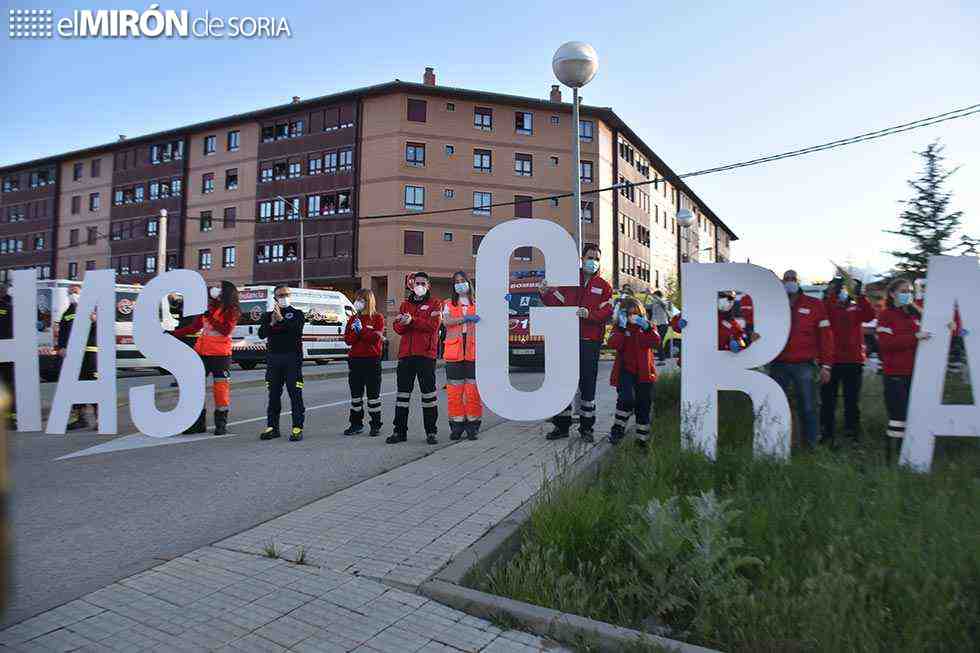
x=522 y=206
x=416 y=110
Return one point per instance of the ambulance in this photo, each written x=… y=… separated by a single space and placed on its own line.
x=525 y=350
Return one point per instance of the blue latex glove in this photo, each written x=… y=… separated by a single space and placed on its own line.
x=964 y=332
x=641 y=322
x=356 y=326
x=622 y=320
x=682 y=323
x=471 y=318
x=734 y=346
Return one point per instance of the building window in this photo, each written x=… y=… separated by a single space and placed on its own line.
x=416 y=110
x=89 y=265
x=204 y=259
x=415 y=154
x=295 y=170
x=175 y=185
x=73 y=238
x=523 y=253
x=314 y=166
x=586 y=211
x=39 y=242
x=524 y=122
x=414 y=243
x=449 y=193
x=482 y=160
x=73 y=270
x=330 y=163
x=150 y=263
x=554 y=161
x=447 y=236
x=206 y=223
x=522 y=165
x=346 y=160
x=585 y=129
x=234 y=140
x=414 y=198
x=210 y=144
x=231 y=179
x=76 y=202
x=94 y=201
x=282 y=130
x=554 y=202
x=312 y=206
x=483 y=118
x=481 y=203
x=96 y=167
x=476 y=243
x=230 y=217
x=152 y=226
x=91 y=235
x=228 y=256
x=207 y=183
x=265 y=211
x=450 y=150
x=77 y=170
x=585 y=172
x=450 y=106
x=265 y=173
x=268 y=133
x=296 y=128
x=522 y=206
x=555 y=120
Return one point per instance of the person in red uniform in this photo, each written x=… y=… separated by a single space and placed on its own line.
x=847 y=316
x=730 y=335
x=634 y=339
x=418 y=322
x=745 y=314
x=365 y=337
x=593 y=297
x=810 y=345
x=214 y=347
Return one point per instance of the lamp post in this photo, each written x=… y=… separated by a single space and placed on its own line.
x=575 y=64
x=685 y=218
x=302 y=242
x=162 y=243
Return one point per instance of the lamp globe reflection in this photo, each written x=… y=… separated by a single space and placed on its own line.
x=575 y=64
x=685 y=217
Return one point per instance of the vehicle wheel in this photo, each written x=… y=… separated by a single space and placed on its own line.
x=247 y=365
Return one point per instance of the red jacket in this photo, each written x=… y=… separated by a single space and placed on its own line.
x=369 y=343
x=215 y=329
x=896 y=340
x=810 y=335
x=634 y=353
x=746 y=311
x=595 y=294
x=728 y=329
x=420 y=337
x=846 y=321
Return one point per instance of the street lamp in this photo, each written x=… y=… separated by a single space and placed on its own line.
x=302 y=241
x=575 y=64
x=162 y=243
x=685 y=218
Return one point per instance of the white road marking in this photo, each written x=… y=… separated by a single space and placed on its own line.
x=140 y=441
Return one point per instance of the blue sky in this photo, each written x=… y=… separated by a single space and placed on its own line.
x=702 y=83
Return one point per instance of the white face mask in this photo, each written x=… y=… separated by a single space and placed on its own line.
x=215 y=292
x=358 y=306
x=73 y=297
x=283 y=302
x=462 y=288
x=725 y=304
x=420 y=290
x=792 y=287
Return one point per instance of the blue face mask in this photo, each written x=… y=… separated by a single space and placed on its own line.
x=791 y=287
x=462 y=288
x=903 y=298
x=842 y=295
x=590 y=265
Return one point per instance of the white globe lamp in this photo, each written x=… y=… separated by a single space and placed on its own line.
x=685 y=217
x=575 y=64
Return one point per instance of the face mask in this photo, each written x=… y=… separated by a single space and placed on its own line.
x=215 y=292
x=903 y=298
x=842 y=295
x=420 y=290
x=791 y=287
x=73 y=297
x=725 y=304
x=590 y=265
x=283 y=302
x=358 y=306
x=462 y=288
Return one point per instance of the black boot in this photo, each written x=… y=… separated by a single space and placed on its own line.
x=354 y=429
x=200 y=426
x=616 y=434
x=472 y=428
x=270 y=433
x=396 y=437
x=557 y=434
x=456 y=430
x=220 y=422
x=375 y=429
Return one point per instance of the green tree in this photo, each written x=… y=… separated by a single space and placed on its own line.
x=970 y=246
x=926 y=220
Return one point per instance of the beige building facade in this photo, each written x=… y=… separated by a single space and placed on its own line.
x=84 y=203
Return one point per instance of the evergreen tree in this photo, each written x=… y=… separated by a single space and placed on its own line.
x=926 y=220
x=970 y=246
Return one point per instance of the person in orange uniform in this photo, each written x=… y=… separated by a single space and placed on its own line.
x=460 y=318
x=634 y=339
x=365 y=337
x=847 y=316
x=593 y=297
x=214 y=346
x=810 y=344
x=417 y=323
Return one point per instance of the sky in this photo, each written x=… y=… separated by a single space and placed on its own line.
x=702 y=83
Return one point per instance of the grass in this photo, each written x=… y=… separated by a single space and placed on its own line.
x=832 y=551
x=271 y=550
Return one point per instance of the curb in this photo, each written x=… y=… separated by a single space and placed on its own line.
x=503 y=540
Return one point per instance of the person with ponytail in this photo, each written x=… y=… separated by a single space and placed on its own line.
x=462 y=397
x=214 y=347
x=364 y=335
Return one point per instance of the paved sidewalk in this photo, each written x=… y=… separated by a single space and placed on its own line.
x=366 y=549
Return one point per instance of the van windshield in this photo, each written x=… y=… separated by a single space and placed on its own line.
x=325 y=314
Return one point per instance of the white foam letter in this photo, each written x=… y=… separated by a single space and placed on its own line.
x=98 y=294
x=953 y=281
x=169 y=353
x=707 y=370
x=21 y=350
x=558 y=325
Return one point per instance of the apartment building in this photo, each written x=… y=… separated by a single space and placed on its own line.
x=358 y=174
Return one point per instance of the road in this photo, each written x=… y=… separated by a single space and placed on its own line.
x=81 y=523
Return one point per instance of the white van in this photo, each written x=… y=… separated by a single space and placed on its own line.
x=327 y=312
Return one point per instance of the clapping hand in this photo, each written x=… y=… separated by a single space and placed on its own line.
x=543 y=287
x=734 y=346
x=276 y=314
x=356 y=325
x=640 y=321
x=582 y=312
